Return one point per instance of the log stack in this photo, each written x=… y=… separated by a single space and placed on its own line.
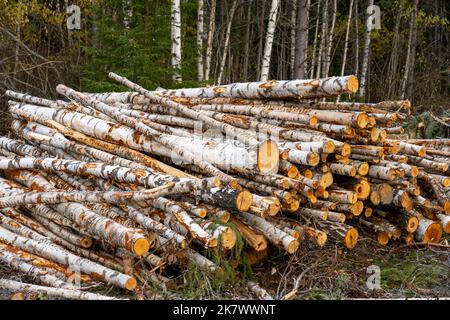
x=100 y=181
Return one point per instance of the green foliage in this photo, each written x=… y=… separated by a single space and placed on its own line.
x=142 y=51
x=424 y=126
x=406 y=272
x=199 y=283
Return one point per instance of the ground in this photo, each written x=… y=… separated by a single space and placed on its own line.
x=332 y=272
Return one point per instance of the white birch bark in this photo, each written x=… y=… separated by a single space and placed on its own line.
x=176 y=40
x=200 y=34
x=211 y=31
x=347 y=33
x=330 y=40
x=227 y=42
x=59 y=255
x=365 y=57
x=316 y=88
x=271 y=26
x=144 y=129
x=16 y=286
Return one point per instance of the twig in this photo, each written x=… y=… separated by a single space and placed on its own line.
x=416 y=244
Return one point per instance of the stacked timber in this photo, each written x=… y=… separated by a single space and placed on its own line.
x=101 y=181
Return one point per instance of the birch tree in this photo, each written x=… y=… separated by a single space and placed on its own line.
x=330 y=40
x=347 y=33
x=365 y=58
x=408 y=76
x=273 y=13
x=200 y=72
x=211 y=30
x=176 y=40
x=227 y=41
x=314 y=63
x=323 y=36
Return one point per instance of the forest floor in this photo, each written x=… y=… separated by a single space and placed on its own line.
x=331 y=272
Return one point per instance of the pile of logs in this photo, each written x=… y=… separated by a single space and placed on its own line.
x=119 y=187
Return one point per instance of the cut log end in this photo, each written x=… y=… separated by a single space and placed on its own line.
x=409 y=238
x=211 y=243
x=351 y=238
x=447 y=207
x=346 y=150
x=363 y=190
x=308 y=174
x=86 y=242
x=412 y=225
x=352 y=84
x=313 y=120
x=313 y=159
x=328 y=147
x=422 y=151
x=141 y=246
x=375 y=198
x=293 y=172
x=228 y=239
x=131 y=284
x=17 y=296
x=382 y=238
x=268 y=157
x=293 y=206
x=326 y=180
x=363 y=169
x=321 y=238
x=244 y=200
x=368 y=212
x=357 y=208
x=293 y=246
x=433 y=233
x=352 y=197
x=362 y=120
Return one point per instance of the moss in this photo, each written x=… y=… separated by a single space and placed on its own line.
x=414 y=270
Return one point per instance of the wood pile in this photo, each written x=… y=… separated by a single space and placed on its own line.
x=119 y=187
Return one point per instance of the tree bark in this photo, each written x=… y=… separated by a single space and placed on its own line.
x=211 y=31
x=408 y=76
x=200 y=34
x=227 y=42
x=176 y=40
x=271 y=26
x=365 y=58
x=301 y=39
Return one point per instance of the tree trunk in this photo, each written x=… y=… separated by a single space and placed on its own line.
x=227 y=41
x=365 y=61
x=200 y=34
x=301 y=39
x=356 y=40
x=347 y=32
x=211 y=31
x=393 y=61
x=408 y=77
x=271 y=26
x=176 y=40
x=248 y=32
x=323 y=37
x=314 y=61
x=330 y=40
x=261 y=16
